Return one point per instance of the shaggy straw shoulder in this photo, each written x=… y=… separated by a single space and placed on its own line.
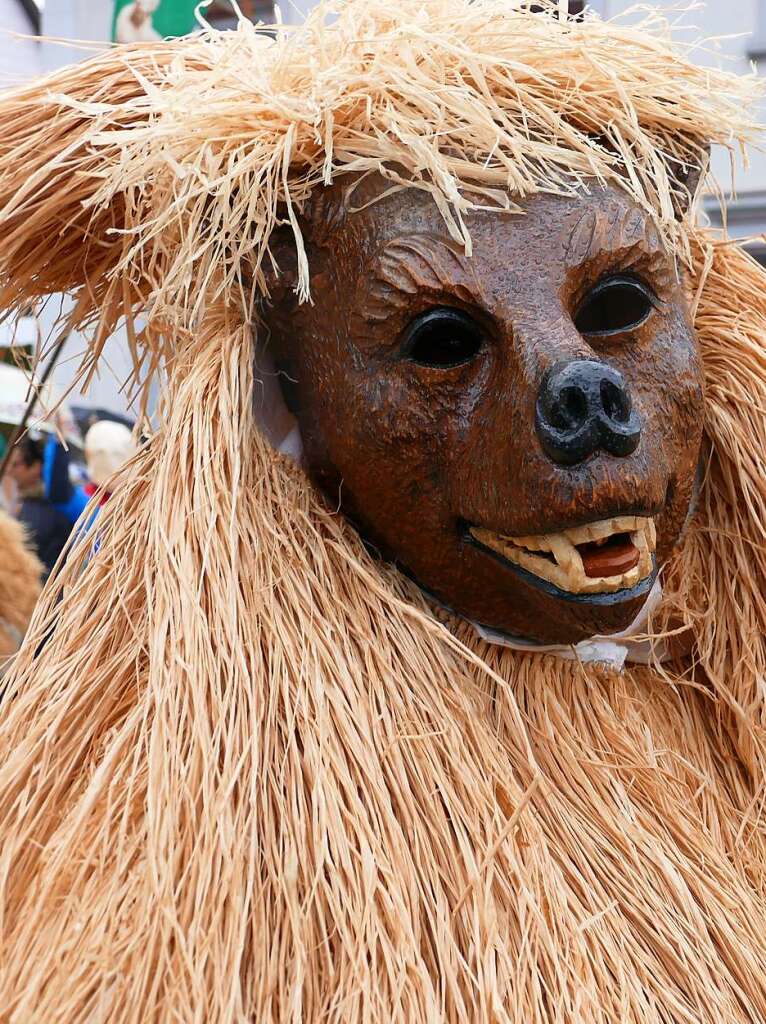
x=20 y=572
x=251 y=777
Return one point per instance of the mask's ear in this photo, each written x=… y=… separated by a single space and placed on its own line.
x=277 y=333
x=685 y=161
x=322 y=216
x=280 y=271
x=686 y=176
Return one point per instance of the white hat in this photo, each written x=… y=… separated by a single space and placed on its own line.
x=107 y=446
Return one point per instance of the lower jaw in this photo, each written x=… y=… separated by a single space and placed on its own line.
x=581 y=616
x=603 y=599
x=615 y=597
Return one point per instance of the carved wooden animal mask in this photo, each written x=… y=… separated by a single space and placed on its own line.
x=224 y=708
x=518 y=430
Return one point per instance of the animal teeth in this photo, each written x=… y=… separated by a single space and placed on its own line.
x=541 y=543
x=651 y=533
x=603 y=529
x=565 y=553
x=568 y=571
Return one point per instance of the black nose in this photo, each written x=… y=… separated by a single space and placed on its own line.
x=584 y=406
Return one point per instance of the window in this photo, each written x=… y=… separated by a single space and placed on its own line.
x=221 y=14
x=33 y=10
x=757 y=47
x=758 y=252
x=576 y=7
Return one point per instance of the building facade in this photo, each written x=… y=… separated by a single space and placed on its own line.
x=738 y=31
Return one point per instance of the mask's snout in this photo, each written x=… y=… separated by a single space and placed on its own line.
x=585 y=406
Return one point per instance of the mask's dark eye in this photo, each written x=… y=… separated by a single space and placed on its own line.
x=616 y=304
x=442 y=338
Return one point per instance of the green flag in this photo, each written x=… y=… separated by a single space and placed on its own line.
x=145 y=20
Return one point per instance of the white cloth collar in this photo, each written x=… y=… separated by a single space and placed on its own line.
x=631 y=645
x=281 y=428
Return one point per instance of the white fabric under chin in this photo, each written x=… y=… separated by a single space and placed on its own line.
x=632 y=644
x=281 y=429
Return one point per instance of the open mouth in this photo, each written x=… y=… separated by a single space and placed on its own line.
x=599 y=558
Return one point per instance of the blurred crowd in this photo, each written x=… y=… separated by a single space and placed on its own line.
x=42 y=496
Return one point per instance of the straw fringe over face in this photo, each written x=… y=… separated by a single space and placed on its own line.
x=251 y=776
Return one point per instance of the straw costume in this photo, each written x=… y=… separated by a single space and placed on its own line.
x=253 y=774
x=20 y=573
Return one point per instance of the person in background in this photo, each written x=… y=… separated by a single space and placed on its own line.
x=8 y=496
x=20 y=573
x=8 y=493
x=108 y=446
x=47 y=526
x=59 y=489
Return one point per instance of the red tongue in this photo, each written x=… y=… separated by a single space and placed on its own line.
x=610 y=559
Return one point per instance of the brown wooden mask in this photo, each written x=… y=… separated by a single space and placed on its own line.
x=519 y=429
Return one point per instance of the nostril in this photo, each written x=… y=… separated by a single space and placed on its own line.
x=584 y=406
x=569 y=408
x=615 y=401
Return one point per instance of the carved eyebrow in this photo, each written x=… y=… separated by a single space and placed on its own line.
x=414 y=263
x=610 y=232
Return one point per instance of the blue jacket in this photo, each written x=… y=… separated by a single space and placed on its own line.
x=61 y=493
x=48 y=529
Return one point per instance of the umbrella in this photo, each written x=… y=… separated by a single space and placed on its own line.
x=85 y=416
